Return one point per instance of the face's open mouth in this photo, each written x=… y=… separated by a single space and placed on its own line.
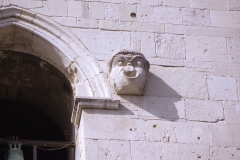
x=130 y=74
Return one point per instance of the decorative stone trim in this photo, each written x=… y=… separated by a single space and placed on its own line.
x=91 y=103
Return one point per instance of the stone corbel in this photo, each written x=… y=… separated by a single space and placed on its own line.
x=91 y=103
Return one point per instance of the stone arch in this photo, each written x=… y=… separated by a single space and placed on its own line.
x=25 y=31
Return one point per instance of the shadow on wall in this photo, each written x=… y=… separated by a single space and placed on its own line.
x=159 y=102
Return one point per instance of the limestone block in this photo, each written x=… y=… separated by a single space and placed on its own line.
x=90 y=149
x=104 y=42
x=222 y=88
x=175 y=83
x=142 y=150
x=170 y=46
x=45 y=10
x=58 y=8
x=154 y=130
x=174 y=29
x=168 y=15
x=225 y=135
x=226 y=69
x=232 y=112
x=233 y=5
x=169 y=151
x=146 y=2
x=196 y=64
x=85 y=9
x=148 y=44
x=145 y=13
x=111 y=11
x=125 y=12
x=109 y=128
x=210 y=4
x=203 y=48
x=131 y=26
x=225 y=18
x=196 y=17
x=177 y=3
x=113 y=149
x=87 y=23
x=192 y=151
x=136 y=41
x=204 y=110
x=23 y=3
x=166 y=62
x=96 y=10
x=234 y=49
x=74 y=8
x=224 y=152
x=193 y=133
x=7 y=36
x=160 y=107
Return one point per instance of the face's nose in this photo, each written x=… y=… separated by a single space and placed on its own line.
x=129 y=63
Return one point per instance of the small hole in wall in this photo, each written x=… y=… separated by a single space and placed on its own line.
x=133 y=15
x=130 y=129
x=154 y=126
x=199 y=157
x=198 y=138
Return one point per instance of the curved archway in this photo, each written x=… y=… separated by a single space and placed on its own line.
x=27 y=32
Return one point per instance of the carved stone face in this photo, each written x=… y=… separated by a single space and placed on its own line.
x=129 y=73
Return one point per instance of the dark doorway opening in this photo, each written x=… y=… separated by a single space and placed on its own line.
x=27 y=122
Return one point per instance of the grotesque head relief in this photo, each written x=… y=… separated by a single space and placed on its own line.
x=128 y=72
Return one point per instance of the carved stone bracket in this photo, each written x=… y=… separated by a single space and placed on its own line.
x=91 y=103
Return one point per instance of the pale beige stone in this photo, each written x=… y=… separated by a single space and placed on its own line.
x=193 y=133
x=225 y=18
x=125 y=12
x=210 y=4
x=204 y=48
x=170 y=46
x=226 y=69
x=176 y=83
x=196 y=17
x=222 y=88
x=96 y=10
x=177 y=3
x=233 y=5
x=111 y=11
x=58 y=7
x=204 y=110
x=168 y=15
x=142 y=150
x=169 y=151
x=225 y=135
x=232 y=112
x=234 y=49
x=192 y=151
x=145 y=13
x=74 y=8
x=224 y=152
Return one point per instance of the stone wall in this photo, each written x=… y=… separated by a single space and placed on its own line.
x=191 y=108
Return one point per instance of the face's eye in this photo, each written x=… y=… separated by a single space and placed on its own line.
x=120 y=62
x=139 y=63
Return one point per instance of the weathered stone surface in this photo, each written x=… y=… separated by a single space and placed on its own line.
x=210 y=4
x=203 y=48
x=169 y=151
x=125 y=12
x=192 y=151
x=234 y=49
x=154 y=130
x=196 y=17
x=176 y=3
x=175 y=83
x=111 y=11
x=159 y=107
x=96 y=10
x=225 y=18
x=74 y=8
x=222 y=88
x=193 y=133
x=225 y=135
x=232 y=112
x=226 y=69
x=233 y=5
x=143 y=150
x=145 y=13
x=204 y=110
x=224 y=152
x=168 y=15
x=170 y=46
x=56 y=10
